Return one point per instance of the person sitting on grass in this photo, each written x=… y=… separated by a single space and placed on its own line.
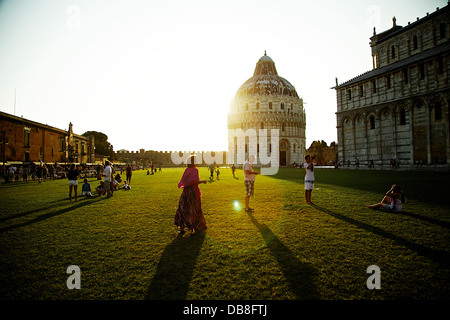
x=392 y=201
x=86 y=189
x=115 y=185
x=101 y=189
x=126 y=186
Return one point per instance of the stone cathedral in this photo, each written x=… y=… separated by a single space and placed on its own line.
x=400 y=109
x=268 y=101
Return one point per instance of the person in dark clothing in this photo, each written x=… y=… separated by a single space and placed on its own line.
x=73 y=175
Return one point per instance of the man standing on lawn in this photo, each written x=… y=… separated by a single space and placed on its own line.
x=107 y=173
x=249 y=177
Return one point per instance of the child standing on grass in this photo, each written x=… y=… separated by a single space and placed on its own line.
x=189 y=213
x=309 y=178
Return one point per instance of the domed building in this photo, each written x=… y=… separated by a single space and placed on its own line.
x=267 y=101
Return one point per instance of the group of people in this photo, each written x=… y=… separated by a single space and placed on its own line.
x=212 y=168
x=37 y=172
x=189 y=214
x=107 y=186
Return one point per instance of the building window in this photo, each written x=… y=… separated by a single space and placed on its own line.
x=437 y=111
x=262 y=125
x=402 y=116
x=282 y=106
x=270 y=105
x=282 y=127
x=374 y=86
x=393 y=52
x=361 y=90
x=405 y=75
x=349 y=94
x=372 y=122
x=442 y=30
x=415 y=43
x=421 y=71
x=388 y=81
x=440 y=65
x=27 y=137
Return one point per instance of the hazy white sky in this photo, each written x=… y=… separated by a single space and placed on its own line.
x=160 y=75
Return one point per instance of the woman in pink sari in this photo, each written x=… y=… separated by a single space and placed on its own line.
x=189 y=213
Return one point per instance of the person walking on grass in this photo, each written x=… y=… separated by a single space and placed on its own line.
x=189 y=214
x=72 y=176
x=211 y=170
x=218 y=172
x=129 y=172
x=309 y=178
x=249 y=180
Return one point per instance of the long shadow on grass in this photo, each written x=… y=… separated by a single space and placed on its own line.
x=300 y=276
x=443 y=224
x=175 y=268
x=58 y=204
x=48 y=215
x=438 y=256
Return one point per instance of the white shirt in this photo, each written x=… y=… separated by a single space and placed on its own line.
x=248 y=166
x=107 y=173
x=309 y=176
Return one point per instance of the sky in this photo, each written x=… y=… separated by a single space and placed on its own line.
x=160 y=75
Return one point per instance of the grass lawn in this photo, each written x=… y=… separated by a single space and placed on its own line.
x=127 y=246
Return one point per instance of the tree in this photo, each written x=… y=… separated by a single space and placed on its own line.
x=102 y=146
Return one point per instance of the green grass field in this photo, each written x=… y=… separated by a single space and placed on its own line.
x=127 y=246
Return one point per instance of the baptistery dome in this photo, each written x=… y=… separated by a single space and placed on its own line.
x=268 y=101
x=266 y=80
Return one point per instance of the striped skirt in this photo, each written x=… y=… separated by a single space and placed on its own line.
x=189 y=213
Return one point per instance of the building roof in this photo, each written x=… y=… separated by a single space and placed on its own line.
x=266 y=80
x=31 y=122
x=396 y=30
x=424 y=55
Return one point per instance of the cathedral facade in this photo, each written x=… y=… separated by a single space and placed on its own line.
x=399 y=111
x=268 y=106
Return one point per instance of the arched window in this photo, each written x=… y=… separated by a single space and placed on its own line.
x=393 y=52
x=437 y=111
x=415 y=43
x=372 y=122
x=402 y=116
